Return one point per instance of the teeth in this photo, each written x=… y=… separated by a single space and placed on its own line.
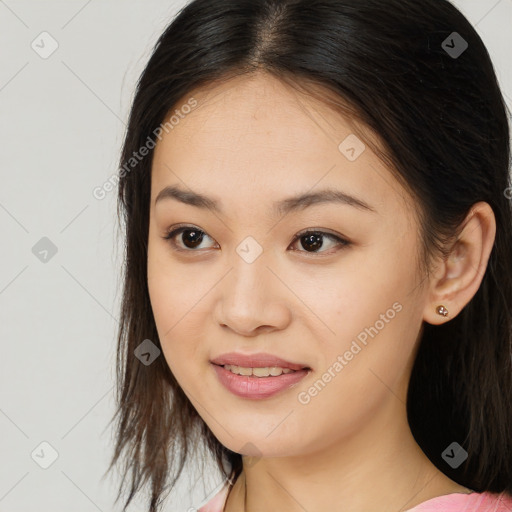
x=273 y=371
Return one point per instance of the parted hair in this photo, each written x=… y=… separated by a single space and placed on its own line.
x=443 y=128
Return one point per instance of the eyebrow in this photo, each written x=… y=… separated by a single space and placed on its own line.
x=282 y=207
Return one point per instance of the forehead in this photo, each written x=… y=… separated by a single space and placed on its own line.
x=264 y=140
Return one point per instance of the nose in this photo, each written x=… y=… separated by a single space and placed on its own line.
x=252 y=300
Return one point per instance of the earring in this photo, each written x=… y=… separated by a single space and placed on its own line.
x=441 y=310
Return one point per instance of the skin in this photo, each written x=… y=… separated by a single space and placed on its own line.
x=250 y=142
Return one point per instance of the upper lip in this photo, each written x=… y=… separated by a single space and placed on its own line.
x=260 y=360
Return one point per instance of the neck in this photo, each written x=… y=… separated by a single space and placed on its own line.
x=379 y=467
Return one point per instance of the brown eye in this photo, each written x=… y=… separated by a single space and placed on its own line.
x=191 y=237
x=313 y=241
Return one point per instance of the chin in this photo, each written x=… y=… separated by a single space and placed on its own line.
x=257 y=445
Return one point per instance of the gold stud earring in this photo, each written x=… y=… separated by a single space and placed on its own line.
x=441 y=310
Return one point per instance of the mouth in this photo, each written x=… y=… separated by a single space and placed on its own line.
x=259 y=372
x=261 y=362
x=258 y=376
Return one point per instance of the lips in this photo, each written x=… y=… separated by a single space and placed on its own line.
x=260 y=360
x=258 y=388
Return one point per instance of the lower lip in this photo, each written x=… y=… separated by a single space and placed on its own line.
x=257 y=387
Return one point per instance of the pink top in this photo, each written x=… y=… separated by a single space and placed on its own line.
x=456 y=502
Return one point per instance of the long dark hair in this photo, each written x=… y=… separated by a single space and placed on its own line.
x=397 y=67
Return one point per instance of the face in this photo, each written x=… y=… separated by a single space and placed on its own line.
x=344 y=300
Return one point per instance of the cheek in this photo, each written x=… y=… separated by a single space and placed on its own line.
x=180 y=296
x=172 y=302
x=365 y=366
x=345 y=298
x=365 y=313
x=171 y=289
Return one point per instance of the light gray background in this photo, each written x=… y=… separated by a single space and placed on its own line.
x=62 y=124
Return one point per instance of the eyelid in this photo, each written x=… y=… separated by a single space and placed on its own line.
x=179 y=228
x=318 y=230
x=342 y=241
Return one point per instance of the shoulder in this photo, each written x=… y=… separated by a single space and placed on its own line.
x=216 y=504
x=472 y=502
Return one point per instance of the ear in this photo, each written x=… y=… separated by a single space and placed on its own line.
x=458 y=277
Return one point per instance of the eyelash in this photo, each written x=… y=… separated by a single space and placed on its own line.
x=180 y=229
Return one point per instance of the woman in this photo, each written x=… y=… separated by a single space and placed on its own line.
x=318 y=281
